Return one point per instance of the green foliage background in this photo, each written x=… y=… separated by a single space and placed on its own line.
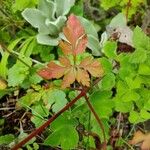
x=29 y=38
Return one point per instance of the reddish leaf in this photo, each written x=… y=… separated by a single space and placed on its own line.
x=83 y=77
x=57 y=71
x=53 y=70
x=65 y=61
x=45 y=73
x=92 y=66
x=75 y=44
x=66 y=47
x=75 y=34
x=81 y=45
x=69 y=78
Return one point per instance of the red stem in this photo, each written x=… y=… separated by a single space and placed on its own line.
x=48 y=122
x=98 y=120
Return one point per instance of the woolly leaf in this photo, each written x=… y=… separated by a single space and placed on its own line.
x=63 y=7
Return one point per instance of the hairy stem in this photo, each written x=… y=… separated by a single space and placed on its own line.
x=48 y=122
x=97 y=118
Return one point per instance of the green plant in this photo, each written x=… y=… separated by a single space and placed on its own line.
x=79 y=95
x=128 y=7
x=49 y=18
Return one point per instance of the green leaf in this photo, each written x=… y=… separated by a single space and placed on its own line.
x=36 y=146
x=63 y=7
x=4 y=60
x=88 y=27
x=110 y=49
x=94 y=45
x=106 y=64
x=37 y=121
x=33 y=77
x=45 y=54
x=133 y=83
x=6 y=139
x=144 y=69
x=93 y=42
x=147 y=104
x=122 y=106
x=5 y=92
x=130 y=95
x=108 y=82
x=67 y=140
x=102 y=103
x=77 y=9
x=140 y=40
x=60 y=22
x=145 y=114
x=30 y=98
x=20 y=5
x=47 y=40
x=36 y=18
x=106 y=4
x=55 y=98
x=55 y=26
x=138 y=56
x=48 y=8
x=121 y=88
x=126 y=68
x=30 y=47
x=40 y=110
x=29 y=147
x=18 y=73
x=27 y=46
x=118 y=21
x=134 y=117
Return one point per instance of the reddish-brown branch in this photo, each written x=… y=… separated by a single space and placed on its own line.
x=48 y=122
x=98 y=120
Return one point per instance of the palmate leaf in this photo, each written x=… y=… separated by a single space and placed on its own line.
x=71 y=73
x=59 y=136
x=67 y=67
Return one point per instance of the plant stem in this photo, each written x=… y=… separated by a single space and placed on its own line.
x=48 y=122
x=127 y=10
x=97 y=118
x=33 y=60
x=13 y=54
